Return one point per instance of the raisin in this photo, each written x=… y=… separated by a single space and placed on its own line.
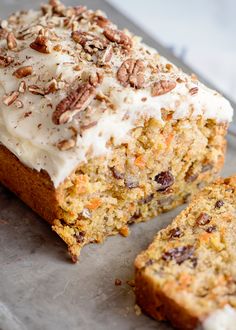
x=164 y=180
x=207 y=167
x=179 y=254
x=135 y=216
x=175 y=233
x=203 y=219
x=80 y=236
x=210 y=229
x=149 y=262
x=117 y=174
x=219 y=204
x=147 y=199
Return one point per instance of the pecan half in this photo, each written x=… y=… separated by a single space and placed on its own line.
x=5 y=61
x=131 y=72
x=11 y=41
x=23 y=71
x=10 y=98
x=119 y=37
x=77 y=101
x=162 y=87
x=41 y=44
x=88 y=41
x=193 y=90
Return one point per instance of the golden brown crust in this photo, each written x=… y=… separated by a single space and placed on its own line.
x=34 y=188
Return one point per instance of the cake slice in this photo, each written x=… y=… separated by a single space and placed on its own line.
x=188 y=274
x=97 y=130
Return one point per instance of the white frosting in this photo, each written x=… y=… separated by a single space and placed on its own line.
x=222 y=319
x=33 y=137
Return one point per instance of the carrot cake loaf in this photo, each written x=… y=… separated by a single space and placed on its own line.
x=97 y=130
x=188 y=274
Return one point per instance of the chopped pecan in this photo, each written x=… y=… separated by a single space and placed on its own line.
x=101 y=21
x=162 y=87
x=34 y=89
x=88 y=41
x=10 y=98
x=119 y=37
x=193 y=90
x=96 y=78
x=22 y=87
x=77 y=101
x=80 y=236
x=41 y=44
x=78 y=10
x=105 y=55
x=203 y=219
x=164 y=180
x=23 y=71
x=66 y=144
x=131 y=72
x=11 y=41
x=5 y=61
x=179 y=254
x=211 y=229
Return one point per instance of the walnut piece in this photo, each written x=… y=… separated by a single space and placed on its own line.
x=66 y=144
x=131 y=72
x=23 y=71
x=162 y=87
x=77 y=101
x=119 y=37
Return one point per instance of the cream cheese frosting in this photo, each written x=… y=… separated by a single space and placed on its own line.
x=222 y=319
x=26 y=125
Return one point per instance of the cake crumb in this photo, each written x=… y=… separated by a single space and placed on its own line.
x=137 y=310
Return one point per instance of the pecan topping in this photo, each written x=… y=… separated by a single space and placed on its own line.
x=219 y=204
x=210 y=229
x=22 y=87
x=164 y=180
x=77 y=101
x=36 y=90
x=131 y=72
x=66 y=144
x=5 y=61
x=88 y=41
x=52 y=88
x=105 y=56
x=22 y=72
x=11 y=41
x=95 y=79
x=193 y=90
x=101 y=21
x=119 y=37
x=203 y=219
x=162 y=87
x=10 y=98
x=179 y=254
x=41 y=44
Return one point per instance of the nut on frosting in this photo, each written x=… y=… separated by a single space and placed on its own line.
x=72 y=67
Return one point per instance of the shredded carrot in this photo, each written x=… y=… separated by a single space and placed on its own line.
x=169 y=138
x=81 y=183
x=140 y=161
x=94 y=203
x=204 y=237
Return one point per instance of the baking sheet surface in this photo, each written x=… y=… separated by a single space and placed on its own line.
x=40 y=289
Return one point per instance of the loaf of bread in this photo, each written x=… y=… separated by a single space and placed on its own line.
x=97 y=130
x=188 y=274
